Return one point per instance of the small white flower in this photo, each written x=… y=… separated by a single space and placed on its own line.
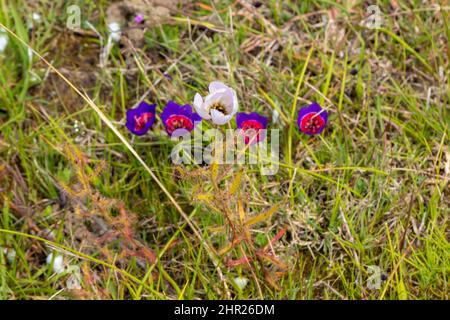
x=30 y=55
x=114 y=36
x=3 y=40
x=10 y=254
x=58 y=263
x=219 y=106
x=114 y=29
x=241 y=282
x=36 y=17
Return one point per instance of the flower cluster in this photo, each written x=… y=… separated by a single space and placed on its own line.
x=219 y=107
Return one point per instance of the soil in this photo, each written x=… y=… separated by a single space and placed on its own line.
x=154 y=12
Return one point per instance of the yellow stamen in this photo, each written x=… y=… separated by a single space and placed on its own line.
x=219 y=107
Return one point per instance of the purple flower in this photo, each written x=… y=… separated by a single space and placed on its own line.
x=139 y=18
x=176 y=117
x=140 y=119
x=168 y=76
x=312 y=119
x=253 y=126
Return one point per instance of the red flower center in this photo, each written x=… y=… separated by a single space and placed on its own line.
x=177 y=121
x=251 y=129
x=142 y=120
x=312 y=123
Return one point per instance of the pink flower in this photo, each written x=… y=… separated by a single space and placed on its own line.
x=139 y=18
x=312 y=119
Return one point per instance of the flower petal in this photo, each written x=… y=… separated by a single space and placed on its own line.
x=217 y=86
x=240 y=118
x=313 y=107
x=235 y=102
x=198 y=100
x=261 y=119
x=199 y=106
x=230 y=101
x=219 y=118
x=170 y=109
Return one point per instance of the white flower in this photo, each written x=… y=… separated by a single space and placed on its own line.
x=219 y=106
x=3 y=40
x=58 y=263
x=10 y=254
x=241 y=282
x=114 y=31
x=30 y=55
x=36 y=17
x=114 y=36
